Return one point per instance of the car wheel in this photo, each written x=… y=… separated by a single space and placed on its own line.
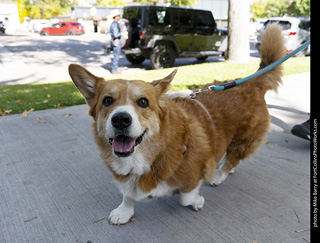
x=162 y=56
x=70 y=32
x=135 y=59
x=44 y=33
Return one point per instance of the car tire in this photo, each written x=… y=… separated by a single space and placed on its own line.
x=162 y=56
x=71 y=32
x=44 y=33
x=135 y=59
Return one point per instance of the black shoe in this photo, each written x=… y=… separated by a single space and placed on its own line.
x=302 y=130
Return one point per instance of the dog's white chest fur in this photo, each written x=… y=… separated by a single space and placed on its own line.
x=135 y=164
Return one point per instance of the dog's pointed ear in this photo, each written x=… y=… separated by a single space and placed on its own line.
x=163 y=84
x=85 y=82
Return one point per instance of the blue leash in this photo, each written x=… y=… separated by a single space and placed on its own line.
x=258 y=73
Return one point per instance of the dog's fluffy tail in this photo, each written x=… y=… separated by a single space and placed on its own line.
x=271 y=50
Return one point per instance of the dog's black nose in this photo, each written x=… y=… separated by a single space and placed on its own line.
x=121 y=120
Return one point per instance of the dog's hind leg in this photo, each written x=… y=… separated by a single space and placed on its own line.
x=243 y=144
x=224 y=170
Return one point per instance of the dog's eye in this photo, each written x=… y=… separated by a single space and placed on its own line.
x=143 y=102
x=108 y=101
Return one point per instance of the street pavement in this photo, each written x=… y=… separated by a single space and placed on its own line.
x=31 y=58
x=55 y=188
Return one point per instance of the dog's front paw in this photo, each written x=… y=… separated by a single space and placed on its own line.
x=121 y=215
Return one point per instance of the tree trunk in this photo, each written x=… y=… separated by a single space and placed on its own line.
x=238 y=31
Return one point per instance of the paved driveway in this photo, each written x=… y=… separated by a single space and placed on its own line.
x=31 y=58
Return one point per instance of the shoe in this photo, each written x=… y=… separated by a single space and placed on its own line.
x=302 y=130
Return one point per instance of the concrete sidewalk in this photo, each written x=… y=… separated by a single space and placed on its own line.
x=55 y=188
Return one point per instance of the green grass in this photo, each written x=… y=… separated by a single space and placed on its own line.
x=19 y=98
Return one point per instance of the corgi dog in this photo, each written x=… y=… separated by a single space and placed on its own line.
x=156 y=145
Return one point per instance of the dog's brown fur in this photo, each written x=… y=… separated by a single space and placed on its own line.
x=188 y=145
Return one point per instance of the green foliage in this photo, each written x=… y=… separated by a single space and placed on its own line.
x=273 y=8
x=181 y=3
x=146 y=1
x=43 y=9
x=111 y=3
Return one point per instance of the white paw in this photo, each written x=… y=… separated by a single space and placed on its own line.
x=218 y=178
x=121 y=215
x=199 y=204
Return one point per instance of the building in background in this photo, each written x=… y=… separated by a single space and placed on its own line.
x=219 y=9
x=9 y=15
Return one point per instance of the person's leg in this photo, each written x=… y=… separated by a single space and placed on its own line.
x=116 y=56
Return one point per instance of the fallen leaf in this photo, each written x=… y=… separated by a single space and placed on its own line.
x=13 y=162
x=45 y=101
x=26 y=221
x=98 y=220
x=40 y=118
x=25 y=113
x=303 y=230
x=67 y=115
x=48 y=96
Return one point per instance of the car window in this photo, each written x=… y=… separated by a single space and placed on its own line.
x=158 y=16
x=63 y=24
x=205 y=24
x=285 y=25
x=183 y=22
x=75 y=24
x=134 y=16
x=304 y=25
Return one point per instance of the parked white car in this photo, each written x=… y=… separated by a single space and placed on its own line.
x=296 y=31
x=36 y=25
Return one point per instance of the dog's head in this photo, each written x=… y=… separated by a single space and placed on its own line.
x=126 y=112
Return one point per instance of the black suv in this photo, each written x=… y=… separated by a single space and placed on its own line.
x=163 y=34
x=2 y=27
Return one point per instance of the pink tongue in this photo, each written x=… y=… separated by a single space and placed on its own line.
x=123 y=144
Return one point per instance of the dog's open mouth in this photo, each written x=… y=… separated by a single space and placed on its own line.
x=123 y=146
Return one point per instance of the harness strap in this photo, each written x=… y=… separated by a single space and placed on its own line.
x=204 y=108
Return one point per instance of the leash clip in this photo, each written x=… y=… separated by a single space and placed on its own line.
x=195 y=93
